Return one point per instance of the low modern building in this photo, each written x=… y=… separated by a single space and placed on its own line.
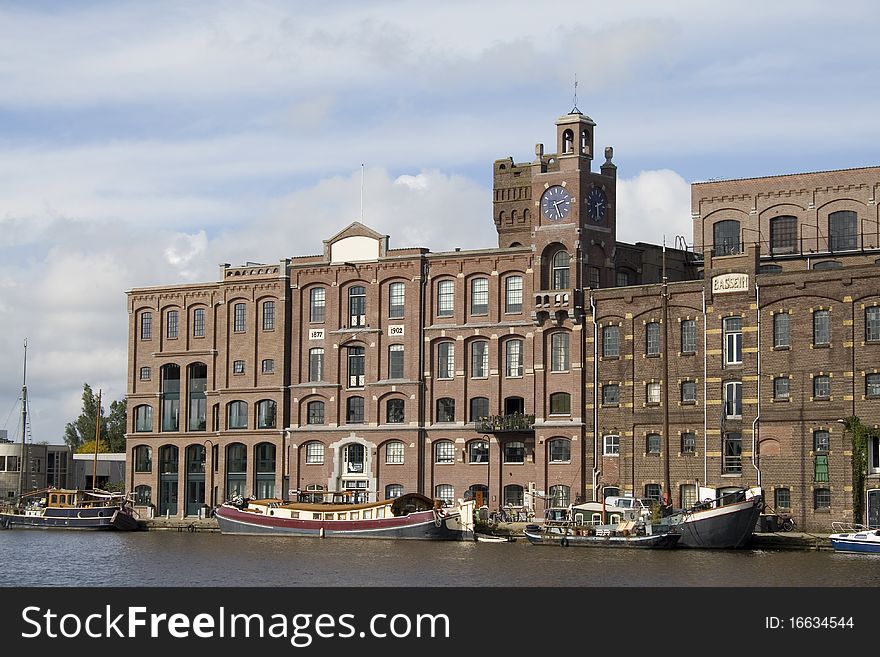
x=49 y=466
x=560 y=365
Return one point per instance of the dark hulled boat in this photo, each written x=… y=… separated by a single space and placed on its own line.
x=61 y=508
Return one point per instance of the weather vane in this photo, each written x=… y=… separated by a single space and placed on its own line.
x=575 y=110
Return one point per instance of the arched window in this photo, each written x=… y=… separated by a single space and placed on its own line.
x=143 y=495
x=268 y=315
x=559 y=352
x=478 y=451
x=559 y=495
x=236 y=470
x=513 y=294
x=585 y=142
x=513 y=495
x=446 y=493
x=783 y=234
x=445 y=298
x=393 y=490
x=195 y=459
x=444 y=451
x=567 y=141
x=316 y=364
x=357 y=306
x=560 y=403
x=264 y=456
x=394 y=411
x=266 y=414
x=394 y=452
x=479 y=296
x=479 y=493
x=843 y=230
x=445 y=360
x=445 y=409
x=146 y=325
x=239 y=323
x=479 y=408
x=559 y=269
x=198 y=323
x=317 y=304
x=559 y=450
x=315 y=412
x=143 y=418
x=168 y=459
x=198 y=400
x=236 y=415
x=171 y=324
x=314 y=452
x=726 y=235
x=514 y=452
x=356 y=367
x=170 y=381
x=479 y=359
x=396 y=300
x=143 y=458
x=354 y=410
x=513 y=349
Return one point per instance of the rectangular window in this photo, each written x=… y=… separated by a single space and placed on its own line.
x=611 y=445
x=314 y=453
x=479 y=296
x=395 y=361
x=594 y=276
x=654 y=492
x=733 y=341
x=652 y=339
x=872 y=324
x=238 y=367
x=240 y=318
x=356 y=367
x=611 y=342
x=843 y=230
x=688 y=495
x=559 y=352
x=622 y=278
x=396 y=300
x=480 y=359
x=822 y=498
x=688 y=336
x=514 y=296
x=514 y=358
x=652 y=394
x=688 y=443
x=821 y=387
x=146 y=326
x=445 y=298
x=394 y=452
x=317 y=304
x=821 y=441
x=610 y=394
x=315 y=412
x=445 y=452
x=732 y=453
x=445 y=360
x=872 y=385
x=171 y=319
x=782 y=498
x=652 y=443
x=781 y=388
x=355 y=410
x=688 y=392
x=821 y=327
x=269 y=316
x=146 y=374
x=316 y=364
x=199 y=323
x=733 y=399
x=781 y=337
x=268 y=366
x=821 y=468
x=783 y=234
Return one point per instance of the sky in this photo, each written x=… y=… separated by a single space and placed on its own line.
x=146 y=143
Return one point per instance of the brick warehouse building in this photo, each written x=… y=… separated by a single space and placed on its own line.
x=534 y=373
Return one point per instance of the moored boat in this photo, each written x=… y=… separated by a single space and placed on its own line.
x=61 y=508
x=410 y=516
x=849 y=537
x=595 y=524
x=719 y=521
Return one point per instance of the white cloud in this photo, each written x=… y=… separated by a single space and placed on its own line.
x=652 y=205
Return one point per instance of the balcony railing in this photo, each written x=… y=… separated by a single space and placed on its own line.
x=505 y=423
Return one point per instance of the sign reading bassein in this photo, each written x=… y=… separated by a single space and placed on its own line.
x=730 y=283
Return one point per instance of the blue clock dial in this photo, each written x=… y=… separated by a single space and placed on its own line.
x=597 y=203
x=556 y=203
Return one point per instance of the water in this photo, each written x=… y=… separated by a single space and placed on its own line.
x=59 y=558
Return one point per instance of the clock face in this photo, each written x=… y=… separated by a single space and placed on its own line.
x=556 y=203
x=596 y=205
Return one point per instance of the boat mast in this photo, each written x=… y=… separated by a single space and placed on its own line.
x=97 y=438
x=24 y=460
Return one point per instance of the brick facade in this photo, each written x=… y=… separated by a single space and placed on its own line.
x=391 y=367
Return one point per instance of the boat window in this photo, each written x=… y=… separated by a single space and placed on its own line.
x=579 y=518
x=380 y=512
x=53 y=499
x=316 y=516
x=368 y=514
x=355 y=515
x=615 y=518
x=294 y=514
x=342 y=516
x=597 y=518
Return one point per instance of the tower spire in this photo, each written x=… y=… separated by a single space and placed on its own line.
x=574 y=109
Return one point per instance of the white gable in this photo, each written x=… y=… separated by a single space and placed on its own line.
x=355 y=248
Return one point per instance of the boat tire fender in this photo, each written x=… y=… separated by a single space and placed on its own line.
x=564 y=542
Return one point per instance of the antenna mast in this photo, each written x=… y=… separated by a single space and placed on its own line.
x=97 y=439
x=362 y=192
x=24 y=465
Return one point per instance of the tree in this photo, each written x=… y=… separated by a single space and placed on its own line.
x=82 y=430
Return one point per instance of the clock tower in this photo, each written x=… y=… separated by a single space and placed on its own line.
x=565 y=211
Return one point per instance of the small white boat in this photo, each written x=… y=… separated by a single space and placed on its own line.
x=848 y=537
